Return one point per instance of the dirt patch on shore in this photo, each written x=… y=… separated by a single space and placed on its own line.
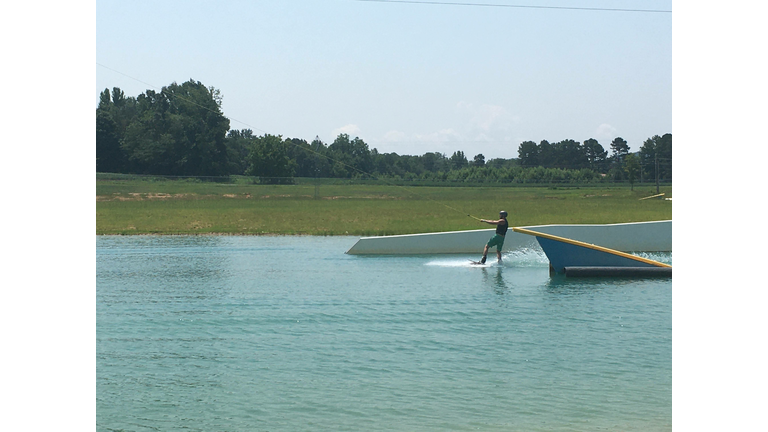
x=196 y=225
x=135 y=196
x=365 y=197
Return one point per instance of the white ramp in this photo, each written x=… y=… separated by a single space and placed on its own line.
x=626 y=237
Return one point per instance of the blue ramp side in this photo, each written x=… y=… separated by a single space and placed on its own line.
x=563 y=252
x=563 y=255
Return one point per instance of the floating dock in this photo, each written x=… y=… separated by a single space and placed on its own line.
x=627 y=237
x=577 y=258
x=643 y=272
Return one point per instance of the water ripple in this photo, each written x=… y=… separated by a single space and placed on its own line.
x=218 y=335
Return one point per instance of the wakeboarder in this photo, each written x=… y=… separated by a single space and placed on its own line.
x=498 y=238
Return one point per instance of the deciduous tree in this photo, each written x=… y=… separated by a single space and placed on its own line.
x=179 y=131
x=269 y=159
x=351 y=158
x=458 y=160
x=632 y=168
x=528 y=153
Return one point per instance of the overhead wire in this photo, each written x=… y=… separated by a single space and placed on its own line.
x=439 y=3
x=169 y=95
x=520 y=6
x=308 y=149
x=296 y=145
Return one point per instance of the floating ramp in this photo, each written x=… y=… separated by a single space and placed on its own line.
x=628 y=237
x=643 y=272
x=577 y=258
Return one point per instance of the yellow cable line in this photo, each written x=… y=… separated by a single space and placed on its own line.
x=589 y=246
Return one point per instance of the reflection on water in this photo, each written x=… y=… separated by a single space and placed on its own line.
x=289 y=333
x=151 y=269
x=559 y=283
x=495 y=276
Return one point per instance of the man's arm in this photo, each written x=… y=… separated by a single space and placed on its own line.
x=492 y=222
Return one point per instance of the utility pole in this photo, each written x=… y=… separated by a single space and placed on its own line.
x=317 y=170
x=656 y=160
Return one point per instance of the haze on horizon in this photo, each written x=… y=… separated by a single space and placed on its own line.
x=405 y=77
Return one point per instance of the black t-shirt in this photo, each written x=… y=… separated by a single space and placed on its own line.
x=501 y=229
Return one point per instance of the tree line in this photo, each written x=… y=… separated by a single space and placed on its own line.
x=655 y=156
x=181 y=131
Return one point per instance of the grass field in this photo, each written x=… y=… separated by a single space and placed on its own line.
x=185 y=207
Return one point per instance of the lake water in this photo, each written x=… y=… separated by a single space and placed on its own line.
x=290 y=334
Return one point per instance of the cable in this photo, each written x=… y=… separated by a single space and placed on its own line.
x=179 y=96
x=295 y=145
x=515 y=6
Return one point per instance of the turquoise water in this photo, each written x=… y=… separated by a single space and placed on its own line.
x=291 y=334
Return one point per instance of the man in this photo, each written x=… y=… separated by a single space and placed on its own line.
x=498 y=239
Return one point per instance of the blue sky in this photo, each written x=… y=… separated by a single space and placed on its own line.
x=434 y=69
x=406 y=78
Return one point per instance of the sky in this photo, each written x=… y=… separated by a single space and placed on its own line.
x=421 y=72
x=408 y=78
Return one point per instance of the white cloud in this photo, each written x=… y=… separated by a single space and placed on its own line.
x=351 y=129
x=486 y=117
x=605 y=132
x=443 y=135
x=394 y=136
x=444 y=140
x=482 y=128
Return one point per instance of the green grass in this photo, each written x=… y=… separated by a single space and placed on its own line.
x=185 y=207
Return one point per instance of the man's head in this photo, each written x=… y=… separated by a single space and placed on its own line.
x=503 y=214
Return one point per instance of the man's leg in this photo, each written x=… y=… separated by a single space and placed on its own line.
x=499 y=245
x=485 y=253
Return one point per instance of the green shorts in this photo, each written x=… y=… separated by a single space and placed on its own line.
x=497 y=240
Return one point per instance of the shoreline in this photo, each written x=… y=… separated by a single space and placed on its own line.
x=288 y=211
